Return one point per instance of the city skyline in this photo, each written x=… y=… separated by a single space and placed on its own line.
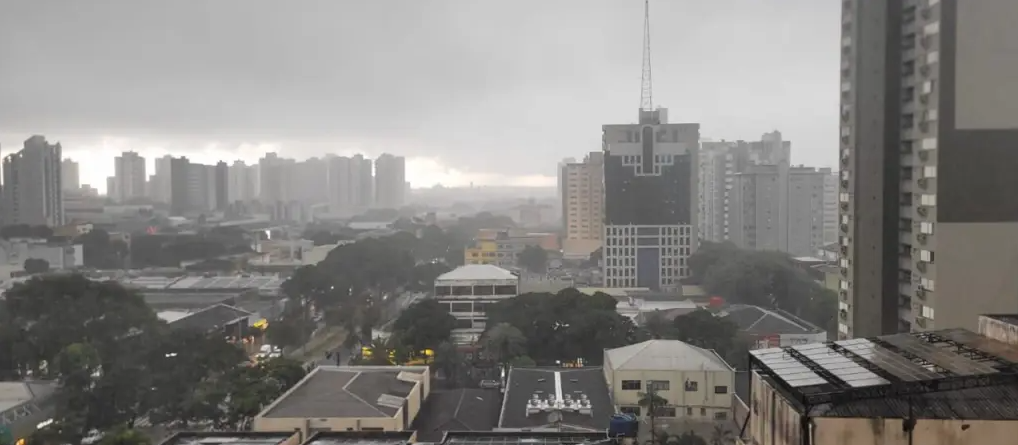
x=461 y=105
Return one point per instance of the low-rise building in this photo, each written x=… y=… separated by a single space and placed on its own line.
x=24 y=407
x=503 y=247
x=563 y=399
x=768 y=328
x=697 y=384
x=932 y=388
x=349 y=398
x=60 y=256
x=465 y=409
x=468 y=290
x=234 y=438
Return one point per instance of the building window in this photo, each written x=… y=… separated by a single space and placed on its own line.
x=630 y=385
x=703 y=412
x=634 y=410
x=659 y=385
x=720 y=415
x=692 y=386
x=721 y=389
x=665 y=411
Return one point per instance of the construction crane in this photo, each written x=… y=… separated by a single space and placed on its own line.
x=646 y=90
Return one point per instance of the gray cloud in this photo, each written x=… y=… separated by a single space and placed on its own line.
x=488 y=85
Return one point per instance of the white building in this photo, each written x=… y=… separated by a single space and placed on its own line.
x=242 y=182
x=13 y=254
x=129 y=177
x=582 y=186
x=468 y=290
x=32 y=192
x=390 y=181
x=70 y=175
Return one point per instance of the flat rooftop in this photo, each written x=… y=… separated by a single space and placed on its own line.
x=227 y=438
x=469 y=409
x=521 y=438
x=947 y=374
x=360 y=438
x=347 y=392
x=760 y=321
x=236 y=282
x=1006 y=318
x=530 y=391
x=212 y=317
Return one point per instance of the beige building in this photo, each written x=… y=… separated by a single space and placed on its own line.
x=583 y=203
x=890 y=390
x=696 y=382
x=349 y=398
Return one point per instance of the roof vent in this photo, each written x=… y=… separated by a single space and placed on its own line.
x=578 y=404
x=391 y=401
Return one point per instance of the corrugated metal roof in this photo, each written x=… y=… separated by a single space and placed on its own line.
x=665 y=355
x=477 y=272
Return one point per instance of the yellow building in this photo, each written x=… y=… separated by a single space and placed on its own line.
x=349 y=398
x=892 y=390
x=696 y=383
x=483 y=252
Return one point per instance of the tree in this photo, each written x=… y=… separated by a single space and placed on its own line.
x=125 y=436
x=424 y=325
x=504 y=342
x=658 y=326
x=422 y=277
x=534 y=259
x=702 y=329
x=651 y=403
x=448 y=360
x=36 y=266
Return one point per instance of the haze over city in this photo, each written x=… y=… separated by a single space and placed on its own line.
x=451 y=86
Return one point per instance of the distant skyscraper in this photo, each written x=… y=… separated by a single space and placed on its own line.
x=390 y=181
x=70 y=176
x=650 y=181
x=221 y=185
x=583 y=198
x=242 y=179
x=350 y=184
x=32 y=192
x=364 y=178
x=129 y=177
x=161 y=188
x=180 y=185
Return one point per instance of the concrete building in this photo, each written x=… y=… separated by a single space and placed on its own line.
x=356 y=398
x=160 y=183
x=769 y=328
x=936 y=387
x=241 y=182
x=350 y=185
x=561 y=399
x=179 y=184
x=24 y=406
x=928 y=216
x=561 y=186
x=582 y=185
x=390 y=181
x=503 y=247
x=697 y=383
x=234 y=438
x=220 y=185
x=129 y=177
x=650 y=181
x=32 y=191
x=468 y=290
x=70 y=176
x=14 y=252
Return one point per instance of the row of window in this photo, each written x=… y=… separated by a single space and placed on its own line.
x=665 y=385
x=670 y=411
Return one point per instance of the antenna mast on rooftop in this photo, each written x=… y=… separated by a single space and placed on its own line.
x=646 y=94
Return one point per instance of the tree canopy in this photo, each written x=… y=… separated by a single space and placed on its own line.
x=36 y=266
x=424 y=325
x=534 y=259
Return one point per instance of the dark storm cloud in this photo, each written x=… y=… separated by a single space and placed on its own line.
x=456 y=79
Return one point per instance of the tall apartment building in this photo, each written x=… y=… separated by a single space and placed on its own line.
x=241 y=181
x=363 y=177
x=129 y=177
x=32 y=192
x=583 y=198
x=350 y=188
x=309 y=178
x=390 y=181
x=650 y=182
x=179 y=178
x=561 y=187
x=160 y=184
x=70 y=176
x=929 y=127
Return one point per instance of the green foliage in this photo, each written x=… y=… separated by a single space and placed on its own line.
x=125 y=436
x=422 y=277
x=565 y=326
x=36 y=266
x=424 y=325
x=763 y=278
x=534 y=259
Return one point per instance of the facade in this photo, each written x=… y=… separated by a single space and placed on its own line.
x=70 y=176
x=160 y=184
x=390 y=181
x=696 y=382
x=650 y=181
x=13 y=253
x=241 y=179
x=503 y=247
x=355 y=398
x=895 y=389
x=929 y=222
x=350 y=184
x=468 y=290
x=32 y=192
x=221 y=185
x=180 y=196
x=129 y=177
x=583 y=198
x=561 y=186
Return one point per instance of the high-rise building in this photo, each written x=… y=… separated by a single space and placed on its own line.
x=242 y=179
x=650 y=184
x=583 y=198
x=129 y=177
x=180 y=179
x=70 y=176
x=350 y=184
x=929 y=127
x=364 y=178
x=561 y=186
x=32 y=192
x=390 y=181
x=308 y=178
x=221 y=185
x=160 y=187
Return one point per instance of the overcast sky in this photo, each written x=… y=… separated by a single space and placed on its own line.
x=490 y=91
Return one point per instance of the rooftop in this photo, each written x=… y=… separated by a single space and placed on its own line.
x=347 y=392
x=212 y=317
x=950 y=373
x=1006 y=318
x=538 y=397
x=521 y=438
x=665 y=355
x=477 y=272
x=757 y=320
x=234 y=282
x=360 y=438
x=226 y=438
x=457 y=410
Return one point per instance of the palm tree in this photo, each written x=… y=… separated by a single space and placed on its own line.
x=504 y=342
x=652 y=402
